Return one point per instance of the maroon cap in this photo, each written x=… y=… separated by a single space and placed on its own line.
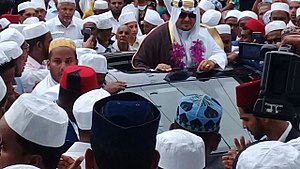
x=79 y=79
x=247 y=93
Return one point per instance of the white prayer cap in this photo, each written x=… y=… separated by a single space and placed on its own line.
x=104 y=23
x=233 y=13
x=67 y=1
x=3 y=58
x=206 y=5
x=269 y=155
x=35 y=30
x=275 y=25
x=130 y=8
x=269 y=1
x=153 y=17
x=39 y=4
x=100 y=4
x=4 y=22
x=127 y=18
x=25 y=5
x=18 y=27
x=11 y=34
x=93 y=19
x=246 y=13
x=38 y=120
x=21 y=166
x=223 y=29
x=180 y=149
x=82 y=51
x=83 y=107
x=298 y=12
x=3 y=88
x=11 y=49
x=52 y=93
x=294 y=0
x=96 y=61
x=31 y=20
x=280 y=6
x=211 y=17
x=266 y=17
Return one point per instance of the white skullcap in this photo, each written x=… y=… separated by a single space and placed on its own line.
x=92 y=19
x=11 y=49
x=4 y=22
x=67 y=1
x=153 y=17
x=39 y=4
x=266 y=17
x=35 y=30
x=11 y=34
x=269 y=1
x=211 y=17
x=269 y=155
x=3 y=88
x=38 y=120
x=100 y=4
x=82 y=51
x=280 y=6
x=206 y=5
x=96 y=61
x=31 y=20
x=298 y=12
x=18 y=27
x=83 y=107
x=294 y=0
x=223 y=29
x=25 y=5
x=21 y=166
x=3 y=58
x=246 y=13
x=127 y=18
x=275 y=25
x=52 y=93
x=233 y=13
x=130 y=8
x=104 y=22
x=180 y=149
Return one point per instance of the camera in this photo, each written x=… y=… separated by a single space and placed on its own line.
x=279 y=96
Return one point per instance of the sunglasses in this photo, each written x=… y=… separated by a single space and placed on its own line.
x=184 y=15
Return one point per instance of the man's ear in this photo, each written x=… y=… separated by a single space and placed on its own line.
x=155 y=159
x=35 y=160
x=89 y=159
x=39 y=45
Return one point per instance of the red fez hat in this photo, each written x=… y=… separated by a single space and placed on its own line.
x=80 y=79
x=12 y=18
x=247 y=93
x=256 y=26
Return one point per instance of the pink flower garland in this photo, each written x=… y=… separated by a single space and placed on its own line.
x=178 y=53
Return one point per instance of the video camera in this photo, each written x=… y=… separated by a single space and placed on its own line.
x=280 y=85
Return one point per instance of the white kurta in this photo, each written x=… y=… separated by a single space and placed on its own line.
x=44 y=85
x=115 y=47
x=73 y=31
x=33 y=73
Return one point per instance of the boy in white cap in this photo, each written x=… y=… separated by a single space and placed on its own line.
x=273 y=31
x=294 y=5
x=180 y=149
x=4 y=23
x=104 y=41
x=64 y=24
x=26 y=10
x=152 y=19
x=280 y=11
x=39 y=38
x=231 y=19
x=40 y=9
x=41 y=143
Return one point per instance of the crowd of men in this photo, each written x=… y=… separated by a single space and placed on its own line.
x=58 y=111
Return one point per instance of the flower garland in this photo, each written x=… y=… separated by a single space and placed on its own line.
x=178 y=53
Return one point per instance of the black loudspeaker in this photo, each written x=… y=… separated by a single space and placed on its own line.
x=280 y=87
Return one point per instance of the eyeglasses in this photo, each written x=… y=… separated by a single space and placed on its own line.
x=184 y=15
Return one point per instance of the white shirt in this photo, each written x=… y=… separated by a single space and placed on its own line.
x=73 y=31
x=115 y=47
x=284 y=135
x=138 y=41
x=33 y=73
x=44 y=85
x=52 y=13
